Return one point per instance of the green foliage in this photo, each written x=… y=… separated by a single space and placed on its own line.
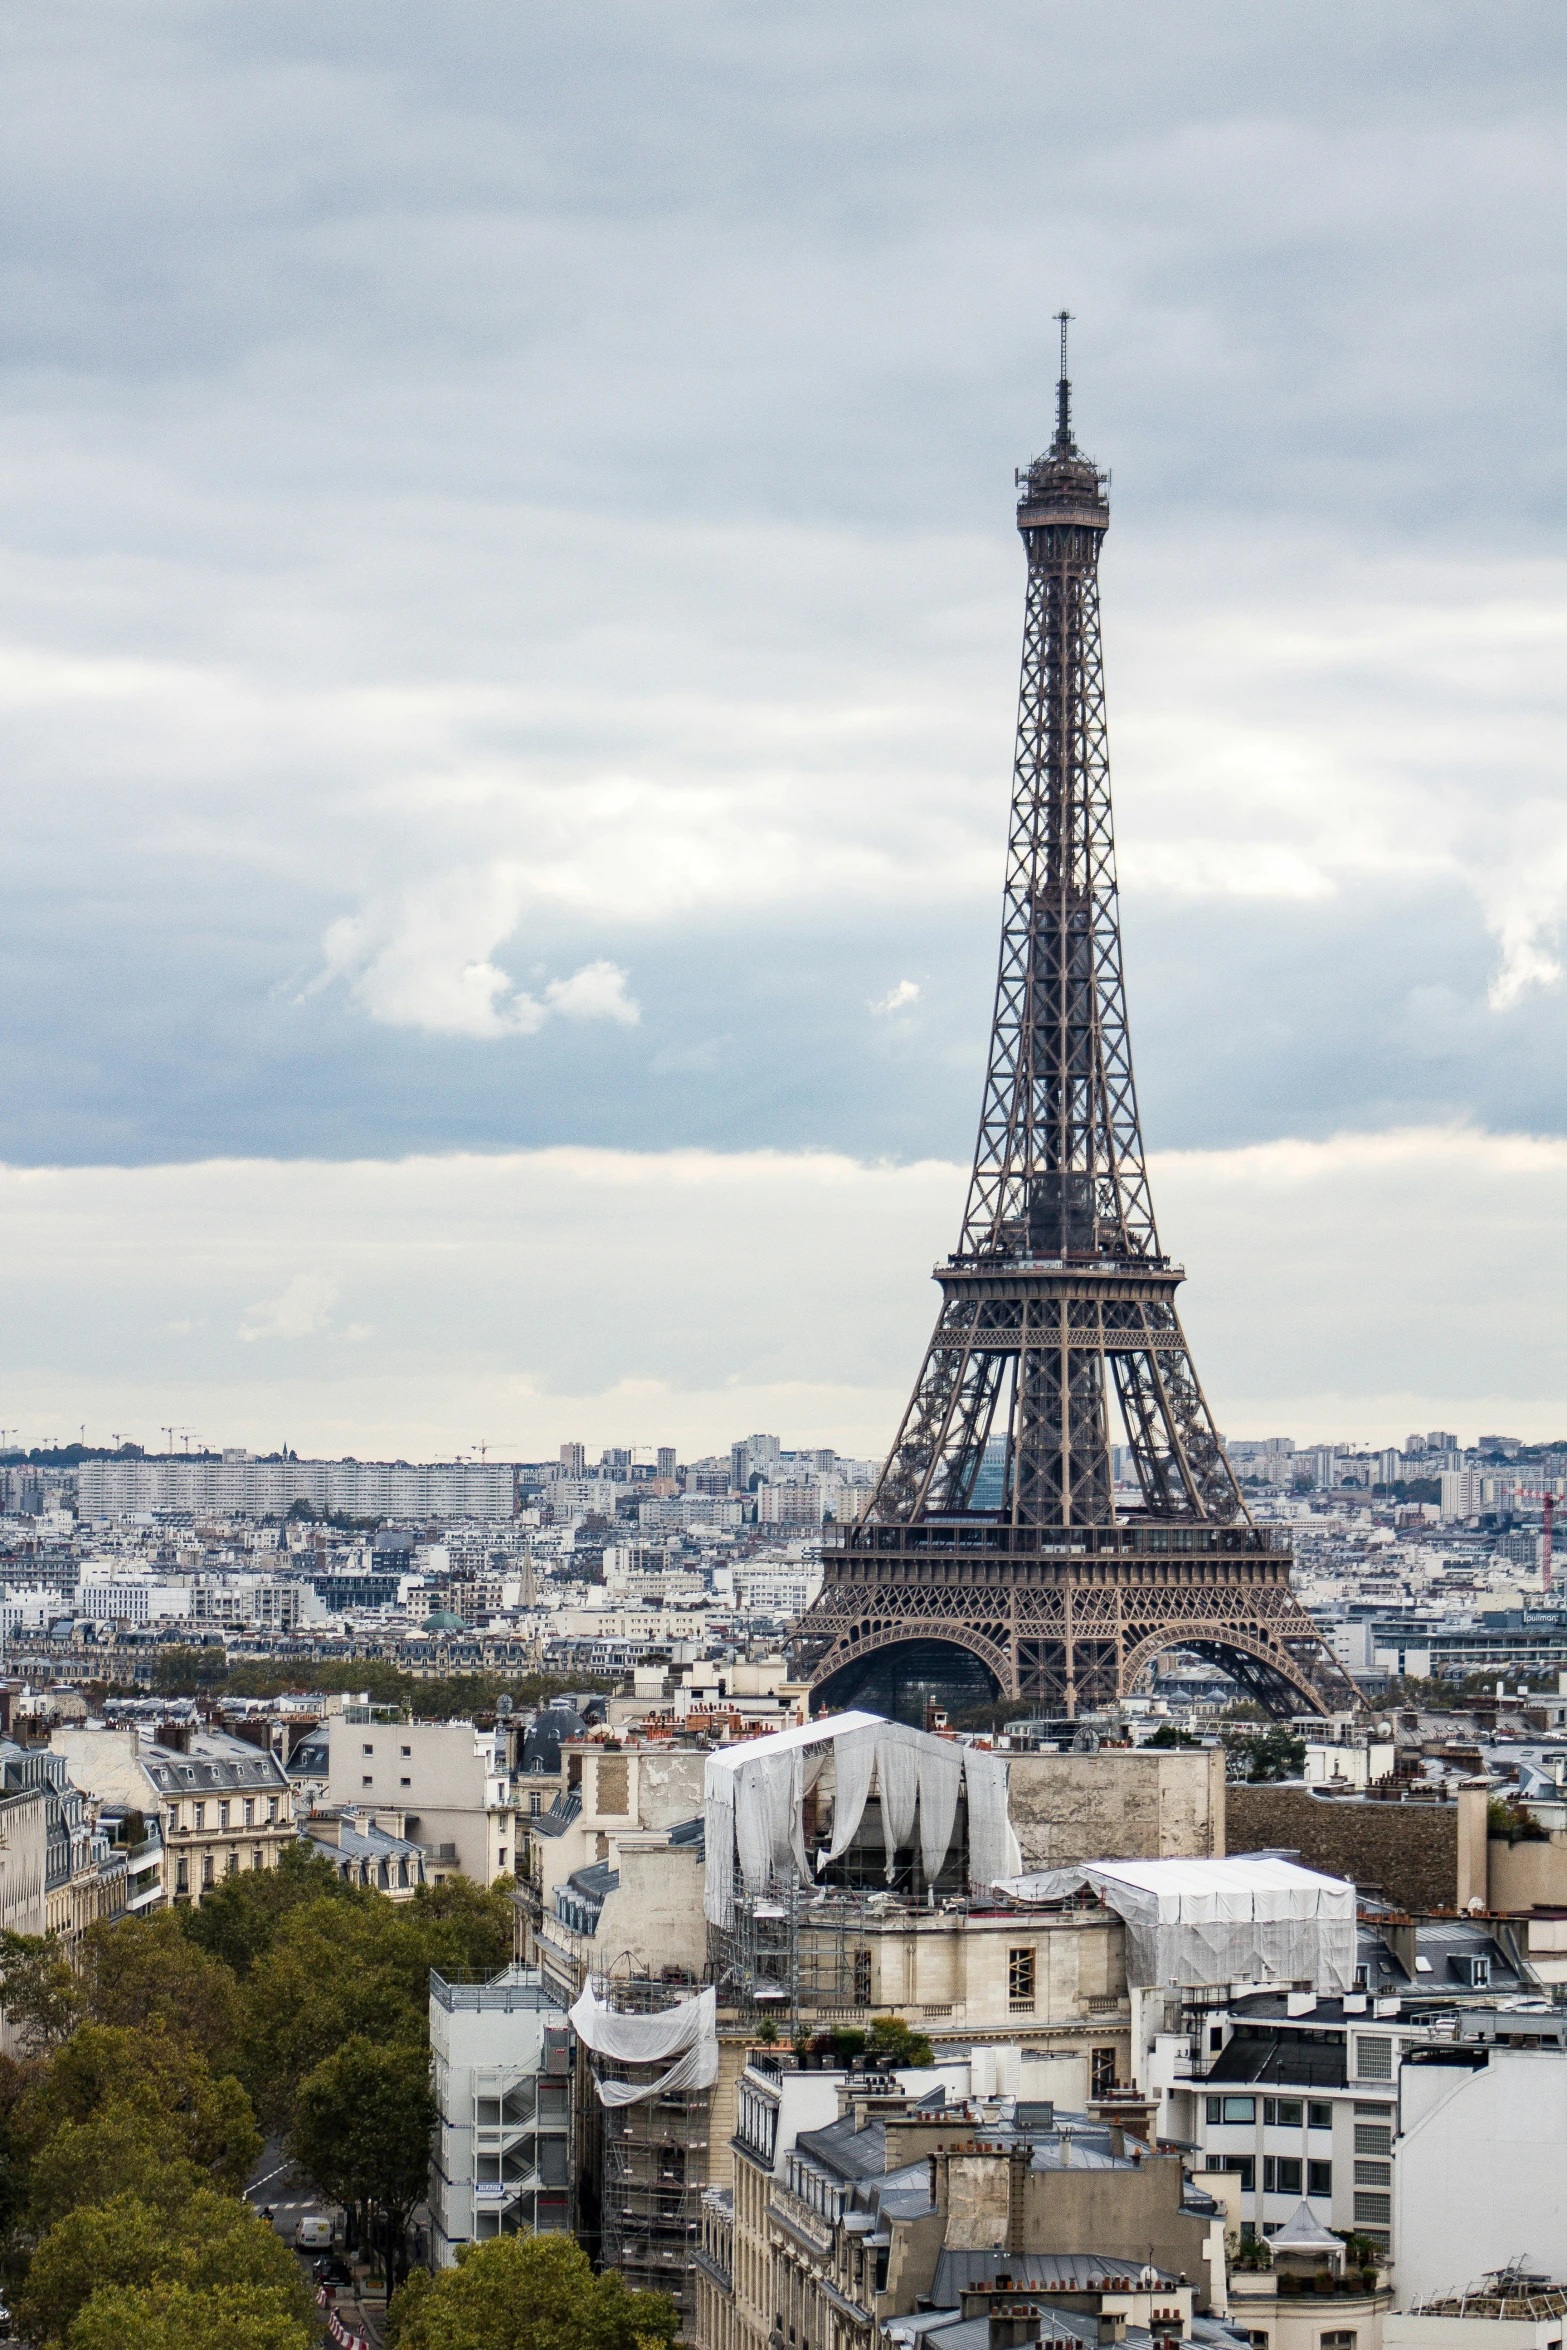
x=1274 y=1753
x=239 y=1919
x=188 y=1672
x=38 y=1990
x=105 y=2071
x=1167 y=1734
x=527 y=2293
x=1507 y=1819
x=212 y=2242
x=337 y=1970
x=145 y=1973
x=893 y=2043
x=122 y=2151
x=458 y=1697
x=175 y=2317
x=362 y=2126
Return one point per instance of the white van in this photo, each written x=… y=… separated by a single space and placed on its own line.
x=314 y=2232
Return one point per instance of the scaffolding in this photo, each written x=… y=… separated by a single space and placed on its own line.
x=653 y=2154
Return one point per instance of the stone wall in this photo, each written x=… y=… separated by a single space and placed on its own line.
x=1147 y=1803
x=1421 y=1856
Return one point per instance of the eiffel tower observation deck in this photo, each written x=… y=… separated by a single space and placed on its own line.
x=997 y=1558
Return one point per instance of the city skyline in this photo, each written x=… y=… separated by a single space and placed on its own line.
x=388 y=783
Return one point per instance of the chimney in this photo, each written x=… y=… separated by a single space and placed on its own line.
x=1011 y=2326
x=175 y=1736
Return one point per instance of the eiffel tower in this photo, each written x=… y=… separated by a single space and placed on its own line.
x=997 y=1557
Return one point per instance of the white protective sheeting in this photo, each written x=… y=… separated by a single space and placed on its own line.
x=1203 y=1923
x=992 y=1847
x=688 y=2032
x=755 y=1793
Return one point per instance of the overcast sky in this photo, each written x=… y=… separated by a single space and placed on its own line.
x=508 y=643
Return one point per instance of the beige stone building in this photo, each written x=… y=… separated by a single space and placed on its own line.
x=854 y=2203
x=223 y=1804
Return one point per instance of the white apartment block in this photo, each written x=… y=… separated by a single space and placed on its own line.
x=237 y=1486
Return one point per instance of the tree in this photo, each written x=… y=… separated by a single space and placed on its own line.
x=238 y=1921
x=146 y=1972
x=104 y=2070
x=211 y=2242
x=1276 y=1753
x=175 y=2317
x=38 y=1990
x=1168 y=1734
x=120 y=2152
x=527 y=2293
x=362 y=2127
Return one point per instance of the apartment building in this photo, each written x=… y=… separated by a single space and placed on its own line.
x=447 y=1779
x=223 y=1804
x=85 y=1874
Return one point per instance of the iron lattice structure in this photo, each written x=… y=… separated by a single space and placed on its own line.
x=996 y=1528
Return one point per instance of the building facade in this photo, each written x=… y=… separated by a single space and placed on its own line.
x=501 y=2056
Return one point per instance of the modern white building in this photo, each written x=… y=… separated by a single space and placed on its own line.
x=501 y=2054
x=237 y=1486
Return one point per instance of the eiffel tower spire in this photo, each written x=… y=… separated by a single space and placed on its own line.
x=1058 y=1335
x=1058 y=1338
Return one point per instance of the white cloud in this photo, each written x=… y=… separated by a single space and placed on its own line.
x=898 y=998
x=425 y=962
x=303 y=1308
x=1361 y=1285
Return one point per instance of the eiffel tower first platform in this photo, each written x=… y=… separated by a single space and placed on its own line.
x=996 y=1558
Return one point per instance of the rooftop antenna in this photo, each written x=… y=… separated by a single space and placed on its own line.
x=1063 y=390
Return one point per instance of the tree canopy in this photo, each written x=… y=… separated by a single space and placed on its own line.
x=526 y=2293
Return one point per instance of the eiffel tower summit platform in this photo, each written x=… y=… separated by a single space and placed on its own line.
x=998 y=1558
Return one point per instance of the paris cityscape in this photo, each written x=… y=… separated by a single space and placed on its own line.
x=542 y=934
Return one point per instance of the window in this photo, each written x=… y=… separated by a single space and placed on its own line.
x=367 y=1780
x=1374 y=2113
x=1319 y=2116
x=1101 y=2071
x=535 y=1804
x=409 y=1783
x=1319 y=2178
x=367 y=1750
x=200 y=1811
x=1215 y=2038
x=250 y=1813
x=1342 y=2340
x=1232 y=2109
x=1282 y=2113
x=862 y=1978
x=232 y=1869
x=223 y=1815
x=182 y=1875
x=206 y=1868
x=1370 y=2139
x=1373 y=2058
x=1373 y=2174
x=1373 y=2211
x=1240 y=2166
x=407 y=1753
x=1020 y=1977
x=1281 y=2174
x=258 y=1859
x=272 y=1811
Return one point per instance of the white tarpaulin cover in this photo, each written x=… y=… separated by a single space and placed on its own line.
x=1202 y=1923
x=688 y=2032
x=755 y=1792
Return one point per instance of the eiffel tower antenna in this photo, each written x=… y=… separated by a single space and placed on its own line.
x=1063 y=439
x=1002 y=1553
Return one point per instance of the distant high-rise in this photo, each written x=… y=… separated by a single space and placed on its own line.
x=574 y=1459
x=996 y=1558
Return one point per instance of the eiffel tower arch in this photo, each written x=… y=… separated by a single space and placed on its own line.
x=1000 y=1554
